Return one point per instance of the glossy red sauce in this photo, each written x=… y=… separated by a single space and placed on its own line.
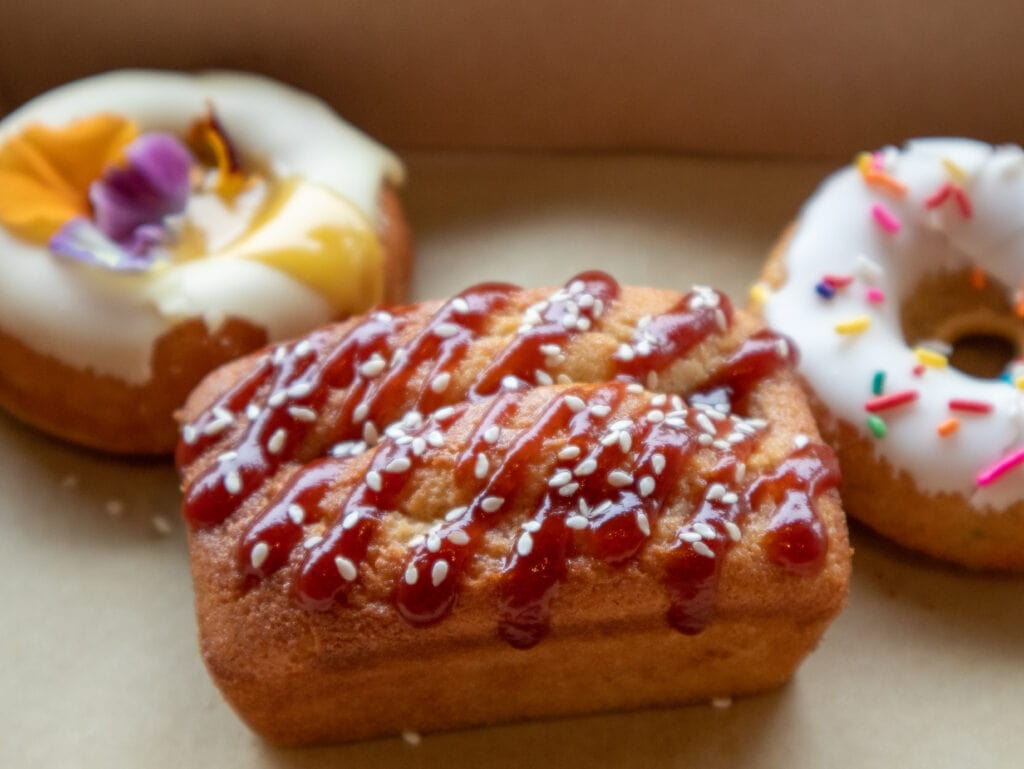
x=614 y=465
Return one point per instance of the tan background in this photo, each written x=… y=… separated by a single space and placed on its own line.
x=748 y=76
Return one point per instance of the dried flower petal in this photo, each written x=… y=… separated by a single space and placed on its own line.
x=83 y=241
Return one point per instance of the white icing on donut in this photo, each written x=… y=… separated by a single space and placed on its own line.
x=837 y=234
x=108 y=322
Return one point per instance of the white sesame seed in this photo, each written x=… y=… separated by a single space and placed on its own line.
x=383 y=317
x=643 y=348
x=741 y=470
x=398 y=465
x=702 y=549
x=525 y=545
x=705 y=424
x=419 y=446
x=550 y=350
x=643 y=523
x=435 y=439
x=560 y=478
x=610 y=439
x=276 y=442
x=569 y=489
x=252 y=411
x=233 y=482
x=531 y=526
x=569 y=320
x=360 y=413
x=189 y=434
x=491 y=504
x=583 y=323
x=459 y=537
x=655 y=415
x=440 y=383
x=491 y=434
x=311 y=542
x=801 y=440
x=227 y=456
x=569 y=452
x=302 y=349
x=433 y=542
x=577 y=287
x=299 y=389
x=601 y=410
x=625 y=441
x=635 y=387
x=258 y=554
x=658 y=463
x=733 y=531
x=217 y=426
x=350 y=520
x=412 y=575
x=460 y=305
x=659 y=400
x=572 y=308
x=370 y=434
x=438 y=572
x=705 y=530
x=735 y=437
x=374 y=480
x=575 y=403
x=577 y=522
x=296 y=514
x=730 y=498
x=443 y=413
x=416 y=541
x=482 y=466
x=646 y=486
x=690 y=536
x=509 y=383
x=455 y=513
x=405 y=440
x=585 y=300
x=619 y=478
x=652 y=380
x=346 y=568
x=446 y=330
x=586 y=467
x=621 y=424
x=625 y=352
x=279 y=354
x=715 y=491
x=373 y=367
x=601 y=507
x=543 y=378
x=532 y=317
x=276 y=399
x=704 y=439
x=677 y=422
x=721 y=445
x=721 y=320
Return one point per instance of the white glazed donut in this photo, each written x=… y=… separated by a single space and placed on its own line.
x=316 y=175
x=891 y=263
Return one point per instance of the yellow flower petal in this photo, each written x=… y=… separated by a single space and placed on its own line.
x=45 y=172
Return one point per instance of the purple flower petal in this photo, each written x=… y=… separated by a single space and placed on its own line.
x=81 y=240
x=153 y=185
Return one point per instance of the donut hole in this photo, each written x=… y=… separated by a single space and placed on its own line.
x=975 y=324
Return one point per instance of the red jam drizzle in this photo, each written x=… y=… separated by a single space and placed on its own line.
x=616 y=468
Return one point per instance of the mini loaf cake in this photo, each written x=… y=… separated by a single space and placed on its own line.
x=903 y=284
x=154 y=225
x=513 y=504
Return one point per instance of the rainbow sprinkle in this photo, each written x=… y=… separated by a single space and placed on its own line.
x=931 y=358
x=975 y=407
x=837 y=281
x=878 y=383
x=999 y=468
x=886 y=219
x=877 y=426
x=856 y=325
x=874 y=295
x=948 y=427
x=891 y=401
x=978 y=278
x=885 y=182
x=759 y=293
x=824 y=290
x=955 y=171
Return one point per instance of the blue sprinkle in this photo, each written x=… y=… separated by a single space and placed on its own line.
x=825 y=291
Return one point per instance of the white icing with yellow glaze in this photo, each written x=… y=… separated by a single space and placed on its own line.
x=326 y=179
x=838 y=234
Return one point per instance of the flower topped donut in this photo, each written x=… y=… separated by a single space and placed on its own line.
x=136 y=202
x=901 y=283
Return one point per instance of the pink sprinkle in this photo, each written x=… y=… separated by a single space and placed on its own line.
x=1000 y=468
x=886 y=219
x=875 y=295
x=878 y=160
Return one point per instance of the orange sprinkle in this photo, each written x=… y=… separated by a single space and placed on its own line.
x=884 y=181
x=1019 y=306
x=948 y=427
x=978 y=278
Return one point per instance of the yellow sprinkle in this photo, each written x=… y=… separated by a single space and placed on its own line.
x=759 y=294
x=864 y=162
x=856 y=325
x=1019 y=382
x=931 y=358
x=956 y=172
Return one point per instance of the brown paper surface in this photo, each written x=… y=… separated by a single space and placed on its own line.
x=795 y=77
x=924 y=670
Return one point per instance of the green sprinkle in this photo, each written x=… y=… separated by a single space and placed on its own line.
x=878 y=383
x=877 y=426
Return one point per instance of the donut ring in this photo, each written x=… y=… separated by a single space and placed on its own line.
x=103 y=358
x=897 y=267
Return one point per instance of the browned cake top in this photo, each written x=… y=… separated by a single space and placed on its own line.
x=390 y=459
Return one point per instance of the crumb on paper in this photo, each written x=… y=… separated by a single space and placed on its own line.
x=162 y=525
x=721 y=703
x=114 y=507
x=412 y=738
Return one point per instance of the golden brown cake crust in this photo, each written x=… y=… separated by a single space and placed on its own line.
x=106 y=413
x=355 y=668
x=944 y=526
